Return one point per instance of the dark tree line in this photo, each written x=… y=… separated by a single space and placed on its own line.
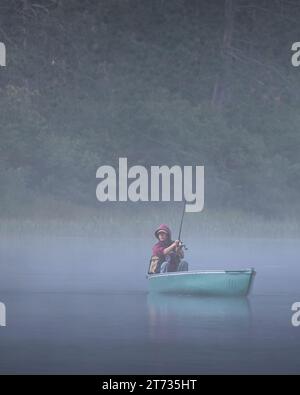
x=160 y=81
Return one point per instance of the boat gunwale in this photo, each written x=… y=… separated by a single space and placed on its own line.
x=192 y=272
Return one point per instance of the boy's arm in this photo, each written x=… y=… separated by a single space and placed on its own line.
x=171 y=247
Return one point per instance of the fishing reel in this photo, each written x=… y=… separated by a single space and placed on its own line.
x=183 y=246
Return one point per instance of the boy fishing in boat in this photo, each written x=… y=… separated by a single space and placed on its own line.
x=167 y=255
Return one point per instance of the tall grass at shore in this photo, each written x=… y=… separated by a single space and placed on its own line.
x=58 y=219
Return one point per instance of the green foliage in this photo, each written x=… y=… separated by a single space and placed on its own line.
x=90 y=81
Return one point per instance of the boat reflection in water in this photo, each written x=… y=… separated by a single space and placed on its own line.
x=190 y=316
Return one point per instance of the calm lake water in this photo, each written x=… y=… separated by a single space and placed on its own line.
x=82 y=307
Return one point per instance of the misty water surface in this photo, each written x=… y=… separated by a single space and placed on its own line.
x=81 y=306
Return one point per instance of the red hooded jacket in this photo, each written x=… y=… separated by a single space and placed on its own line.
x=158 y=249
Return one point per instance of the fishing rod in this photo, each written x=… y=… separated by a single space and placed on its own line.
x=180 y=229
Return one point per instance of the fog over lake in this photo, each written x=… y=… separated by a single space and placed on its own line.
x=77 y=305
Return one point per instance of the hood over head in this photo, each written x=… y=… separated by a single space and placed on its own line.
x=163 y=228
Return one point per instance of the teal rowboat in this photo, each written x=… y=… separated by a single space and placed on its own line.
x=208 y=283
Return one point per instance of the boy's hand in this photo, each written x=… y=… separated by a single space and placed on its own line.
x=178 y=247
